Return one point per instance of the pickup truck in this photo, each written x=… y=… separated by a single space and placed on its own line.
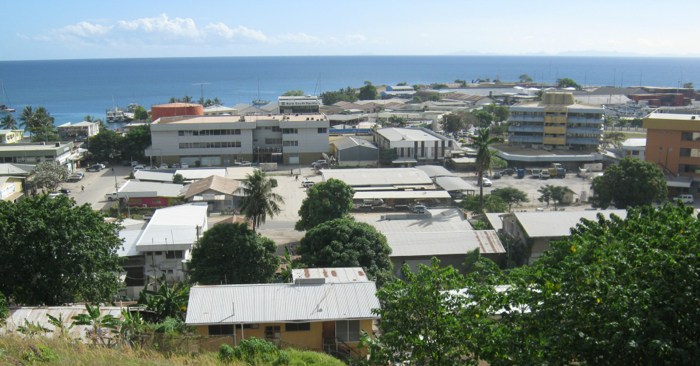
x=307 y=184
x=111 y=196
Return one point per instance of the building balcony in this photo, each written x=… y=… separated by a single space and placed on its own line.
x=555 y=119
x=526 y=118
x=582 y=140
x=587 y=120
x=585 y=130
x=532 y=139
x=528 y=128
x=555 y=130
x=554 y=140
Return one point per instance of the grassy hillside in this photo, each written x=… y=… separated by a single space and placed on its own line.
x=45 y=351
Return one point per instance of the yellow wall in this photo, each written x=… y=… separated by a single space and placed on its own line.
x=668 y=124
x=310 y=339
x=554 y=140
x=11 y=181
x=12 y=137
x=555 y=130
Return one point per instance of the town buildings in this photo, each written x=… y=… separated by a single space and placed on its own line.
x=11 y=136
x=414 y=144
x=62 y=153
x=354 y=151
x=673 y=143
x=558 y=122
x=307 y=104
x=225 y=140
x=76 y=131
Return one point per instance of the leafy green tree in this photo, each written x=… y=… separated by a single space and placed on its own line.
x=501 y=113
x=4 y=311
x=293 y=93
x=53 y=252
x=49 y=174
x=482 y=142
x=170 y=301
x=398 y=121
x=28 y=119
x=614 y=292
x=387 y=156
x=258 y=200
x=439 y=86
x=427 y=319
x=106 y=145
x=630 y=183
x=99 y=325
x=233 y=253
x=552 y=193
x=525 y=78
x=346 y=243
x=8 y=122
x=325 y=202
x=688 y=85
x=178 y=179
x=434 y=98
x=345 y=95
x=615 y=138
x=135 y=142
x=141 y=114
x=39 y=123
x=417 y=99
x=511 y=196
x=483 y=118
x=567 y=83
x=636 y=122
x=368 y=92
x=491 y=203
x=452 y=123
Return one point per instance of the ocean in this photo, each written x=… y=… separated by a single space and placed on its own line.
x=72 y=89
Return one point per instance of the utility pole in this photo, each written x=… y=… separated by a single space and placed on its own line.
x=116 y=193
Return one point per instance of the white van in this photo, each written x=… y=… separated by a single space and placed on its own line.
x=686 y=199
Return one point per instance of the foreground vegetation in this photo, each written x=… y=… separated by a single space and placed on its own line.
x=24 y=351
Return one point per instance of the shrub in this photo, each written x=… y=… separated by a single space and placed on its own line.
x=226 y=354
x=273 y=182
x=256 y=351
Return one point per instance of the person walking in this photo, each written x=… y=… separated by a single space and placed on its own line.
x=296 y=178
x=82 y=188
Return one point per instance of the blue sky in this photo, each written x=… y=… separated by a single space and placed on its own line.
x=69 y=29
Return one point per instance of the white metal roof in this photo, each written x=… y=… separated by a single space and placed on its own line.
x=407 y=134
x=435 y=170
x=281 y=303
x=495 y=220
x=382 y=176
x=154 y=175
x=365 y=195
x=558 y=223
x=454 y=184
x=635 y=142
x=443 y=243
x=173 y=228
x=194 y=174
x=331 y=275
x=135 y=188
x=39 y=315
x=130 y=235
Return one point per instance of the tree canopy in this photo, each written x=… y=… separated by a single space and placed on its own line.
x=234 y=254
x=342 y=95
x=8 y=122
x=630 y=183
x=552 y=193
x=293 y=93
x=49 y=174
x=484 y=118
x=141 y=114
x=452 y=123
x=368 y=92
x=39 y=123
x=567 y=83
x=325 y=202
x=53 y=252
x=510 y=196
x=482 y=142
x=346 y=243
x=398 y=121
x=491 y=203
x=525 y=78
x=258 y=200
x=387 y=156
x=105 y=145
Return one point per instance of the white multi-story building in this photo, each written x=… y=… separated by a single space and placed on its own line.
x=414 y=144
x=226 y=140
x=307 y=104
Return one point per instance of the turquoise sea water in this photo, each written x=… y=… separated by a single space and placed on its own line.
x=71 y=89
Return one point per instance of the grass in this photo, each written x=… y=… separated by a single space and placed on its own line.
x=47 y=351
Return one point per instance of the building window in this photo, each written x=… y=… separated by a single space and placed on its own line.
x=322 y=130
x=290 y=131
x=297 y=327
x=690 y=136
x=174 y=254
x=684 y=168
x=291 y=143
x=224 y=329
x=276 y=129
x=348 y=330
x=273 y=141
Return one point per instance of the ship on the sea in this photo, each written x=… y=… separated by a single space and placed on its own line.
x=117 y=114
x=4 y=108
x=260 y=102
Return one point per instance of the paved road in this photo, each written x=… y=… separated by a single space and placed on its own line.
x=97 y=184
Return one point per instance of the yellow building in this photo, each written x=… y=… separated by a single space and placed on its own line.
x=11 y=136
x=312 y=313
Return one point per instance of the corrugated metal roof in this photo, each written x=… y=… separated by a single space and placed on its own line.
x=38 y=315
x=331 y=275
x=435 y=171
x=408 y=134
x=495 y=220
x=425 y=244
x=195 y=174
x=382 y=176
x=454 y=184
x=365 y=195
x=558 y=223
x=349 y=142
x=215 y=183
x=267 y=303
x=135 y=188
x=154 y=175
x=173 y=228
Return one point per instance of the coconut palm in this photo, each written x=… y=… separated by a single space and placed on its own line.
x=8 y=122
x=27 y=118
x=481 y=142
x=258 y=199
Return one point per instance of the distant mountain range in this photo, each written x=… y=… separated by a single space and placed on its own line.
x=584 y=53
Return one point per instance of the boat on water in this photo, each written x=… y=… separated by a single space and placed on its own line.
x=260 y=102
x=4 y=108
x=117 y=114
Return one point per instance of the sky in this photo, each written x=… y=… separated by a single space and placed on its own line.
x=71 y=29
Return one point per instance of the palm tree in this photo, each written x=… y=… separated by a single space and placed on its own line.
x=8 y=122
x=99 y=325
x=28 y=118
x=258 y=199
x=481 y=143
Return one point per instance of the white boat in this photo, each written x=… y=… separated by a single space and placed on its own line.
x=260 y=102
x=120 y=114
x=3 y=107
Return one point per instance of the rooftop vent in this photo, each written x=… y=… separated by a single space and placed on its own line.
x=309 y=281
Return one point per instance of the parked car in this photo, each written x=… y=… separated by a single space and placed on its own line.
x=65 y=191
x=685 y=198
x=54 y=195
x=94 y=168
x=245 y=163
x=507 y=171
x=319 y=162
x=164 y=166
x=138 y=167
x=307 y=183
x=486 y=182
x=419 y=208
x=184 y=166
x=545 y=175
x=104 y=164
x=176 y=165
x=75 y=177
x=497 y=175
x=111 y=196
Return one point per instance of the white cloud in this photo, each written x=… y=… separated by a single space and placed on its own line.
x=238 y=33
x=528 y=38
x=356 y=38
x=299 y=38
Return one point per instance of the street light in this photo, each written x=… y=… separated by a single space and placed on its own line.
x=116 y=192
